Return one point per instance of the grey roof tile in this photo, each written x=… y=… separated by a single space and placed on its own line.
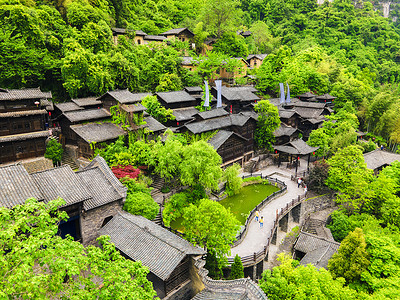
x=193 y=89
x=29 y=93
x=297 y=147
x=68 y=106
x=24 y=136
x=184 y=114
x=378 y=158
x=61 y=182
x=221 y=137
x=217 y=123
x=284 y=130
x=242 y=93
x=89 y=101
x=23 y=113
x=143 y=240
x=16 y=185
x=177 y=31
x=137 y=107
x=153 y=125
x=154 y=37
x=87 y=115
x=125 y=96
x=93 y=132
x=213 y=113
x=175 y=96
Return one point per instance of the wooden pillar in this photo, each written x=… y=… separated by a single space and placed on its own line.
x=297 y=162
x=308 y=162
x=279 y=159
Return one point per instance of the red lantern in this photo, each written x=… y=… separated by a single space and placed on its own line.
x=298 y=157
x=276 y=151
x=231 y=108
x=50 y=113
x=313 y=153
x=177 y=123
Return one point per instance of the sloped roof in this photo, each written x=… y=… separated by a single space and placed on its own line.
x=29 y=93
x=250 y=113
x=307 y=95
x=125 y=96
x=100 y=163
x=177 y=31
x=257 y=56
x=68 y=106
x=61 y=182
x=213 y=113
x=241 y=93
x=137 y=107
x=154 y=37
x=221 y=137
x=89 y=101
x=309 y=104
x=326 y=97
x=16 y=185
x=143 y=240
x=93 y=132
x=175 y=96
x=184 y=114
x=153 y=125
x=379 y=158
x=23 y=113
x=217 y=123
x=286 y=114
x=193 y=89
x=284 y=130
x=297 y=147
x=99 y=187
x=49 y=105
x=309 y=113
x=24 y=136
x=87 y=115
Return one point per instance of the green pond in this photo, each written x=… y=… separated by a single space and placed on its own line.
x=242 y=203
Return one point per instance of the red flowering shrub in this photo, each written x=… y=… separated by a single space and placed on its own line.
x=125 y=171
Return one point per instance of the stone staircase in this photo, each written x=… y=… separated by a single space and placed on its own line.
x=313 y=225
x=158 y=218
x=67 y=160
x=157 y=195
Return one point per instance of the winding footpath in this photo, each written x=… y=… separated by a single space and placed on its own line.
x=256 y=237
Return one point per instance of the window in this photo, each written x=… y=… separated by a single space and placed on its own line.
x=138 y=41
x=106 y=220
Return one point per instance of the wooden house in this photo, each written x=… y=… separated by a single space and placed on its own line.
x=182 y=116
x=284 y=134
x=378 y=159
x=182 y=34
x=24 y=123
x=307 y=97
x=237 y=99
x=290 y=117
x=230 y=146
x=87 y=103
x=169 y=258
x=255 y=60
x=208 y=45
x=176 y=99
x=245 y=33
x=92 y=135
x=92 y=195
x=211 y=114
x=154 y=127
x=241 y=71
x=119 y=97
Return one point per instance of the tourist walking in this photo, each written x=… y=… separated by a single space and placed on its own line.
x=257 y=214
x=299 y=182
x=305 y=191
x=261 y=222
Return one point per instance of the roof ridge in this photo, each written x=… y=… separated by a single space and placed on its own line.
x=320 y=238
x=59 y=167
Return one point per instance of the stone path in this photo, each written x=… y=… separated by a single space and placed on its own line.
x=256 y=237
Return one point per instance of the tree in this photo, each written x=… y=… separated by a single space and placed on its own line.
x=349 y=175
x=36 y=263
x=156 y=110
x=268 y=122
x=212 y=226
x=54 y=151
x=168 y=158
x=139 y=203
x=200 y=165
x=351 y=260
x=287 y=281
x=318 y=175
x=233 y=180
x=237 y=268
x=231 y=44
x=318 y=138
x=213 y=265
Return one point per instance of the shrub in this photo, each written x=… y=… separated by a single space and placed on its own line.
x=54 y=151
x=165 y=189
x=125 y=171
x=237 y=268
x=139 y=203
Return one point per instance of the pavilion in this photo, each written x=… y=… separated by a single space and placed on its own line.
x=295 y=148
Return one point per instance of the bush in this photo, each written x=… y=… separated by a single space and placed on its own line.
x=165 y=189
x=318 y=175
x=139 y=203
x=237 y=268
x=125 y=171
x=233 y=181
x=174 y=206
x=134 y=185
x=54 y=151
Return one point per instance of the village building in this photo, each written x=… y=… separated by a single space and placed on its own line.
x=154 y=127
x=307 y=97
x=237 y=99
x=208 y=45
x=244 y=33
x=182 y=116
x=182 y=34
x=138 y=35
x=119 y=97
x=88 y=102
x=230 y=146
x=211 y=114
x=255 y=60
x=170 y=259
x=229 y=76
x=176 y=99
x=154 y=38
x=378 y=159
x=284 y=134
x=92 y=195
x=24 y=123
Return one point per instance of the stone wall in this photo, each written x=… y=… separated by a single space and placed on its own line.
x=92 y=220
x=315 y=204
x=37 y=164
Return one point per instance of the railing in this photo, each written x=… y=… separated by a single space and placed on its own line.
x=283 y=188
x=256 y=257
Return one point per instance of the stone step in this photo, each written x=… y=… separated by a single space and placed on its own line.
x=67 y=160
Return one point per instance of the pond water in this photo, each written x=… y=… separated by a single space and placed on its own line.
x=241 y=204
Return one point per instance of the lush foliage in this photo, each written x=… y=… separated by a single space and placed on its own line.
x=54 y=151
x=125 y=171
x=36 y=263
x=268 y=122
x=237 y=268
x=233 y=181
x=156 y=110
x=139 y=203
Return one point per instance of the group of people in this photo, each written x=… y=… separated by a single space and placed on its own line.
x=300 y=183
x=260 y=220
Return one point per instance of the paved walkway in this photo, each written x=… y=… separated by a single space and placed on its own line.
x=256 y=237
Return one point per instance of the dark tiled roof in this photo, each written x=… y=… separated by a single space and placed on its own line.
x=16 y=186
x=177 y=31
x=89 y=101
x=297 y=147
x=23 y=113
x=217 y=123
x=193 y=89
x=87 y=115
x=154 y=37
x=258 y=56
x=118 y=30
x=93 y=132
x=284 y=130
x=309 y=113
x=242 y=93
x=100 y=189
x=140 y=33
x=184 y=114
x=24 y=136
x=153 y=125
x=31 y=93
x=61 y=182
x=214 y=113
x=49 y=105
x=318 y=120
x=125 y=96
x=378 y=158
x=326 y=97
x=307 y=95
x=137 y=107
x=286 y=114
x=99 y=162
x=176 y=96
x=250 y=113
x=309 y=104
x=221 y=137
x=143 y=240
x=68 y=106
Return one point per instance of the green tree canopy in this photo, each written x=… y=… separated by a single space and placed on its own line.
x=36 y=263
x=54 y=151
x=233 y=181
x=268 y=122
